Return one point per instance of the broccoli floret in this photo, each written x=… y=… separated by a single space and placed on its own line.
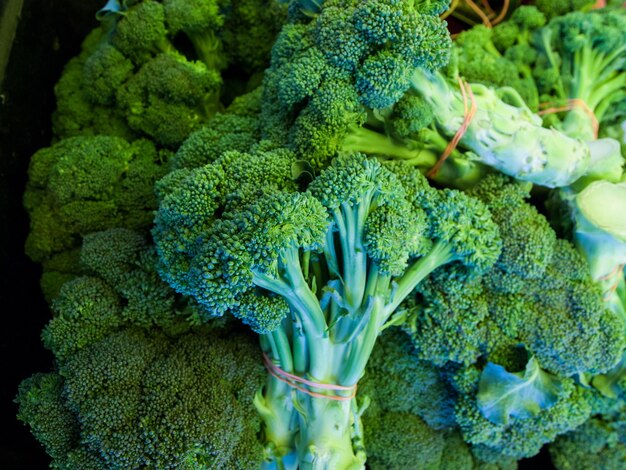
x=502 y=56
x=237 y=129
x=520 y=437
x=121 y=288
x=590 y=336
x=85 y=184
x=43 y=407
x=251 y=28
x=79 y=109
x=538 y=294
x=169 y=97
x=136 y=399
x=527 y=238
x=397 y=440
x=397 y=381
x=154 y=68
x=349 y=58
x=552 y=8
x=598 y=443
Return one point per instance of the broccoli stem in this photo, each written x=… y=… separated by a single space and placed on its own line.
x=597 y=84
x=208 y=48
x=326 y=431
x=438 y=256
x=361 y=139
x=275 y=407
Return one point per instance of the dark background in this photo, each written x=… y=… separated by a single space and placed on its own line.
x=48 y=35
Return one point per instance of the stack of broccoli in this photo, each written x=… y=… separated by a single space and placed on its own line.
x=200 y=218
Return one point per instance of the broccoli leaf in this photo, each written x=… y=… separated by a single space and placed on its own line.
x=503 y=394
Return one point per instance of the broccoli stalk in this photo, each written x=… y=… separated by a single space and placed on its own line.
x=508 y=137
x=600 y=235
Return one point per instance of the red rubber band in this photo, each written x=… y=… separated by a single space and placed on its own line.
x=470 y=111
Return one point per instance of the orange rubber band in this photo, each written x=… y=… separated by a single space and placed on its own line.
x=470 y=111
x=295 y=380
x=502 y=14
x=488 y=9
x=608 y=276
x=608 y=293
x=481 y=14
x=554 y=107
x=449 y=11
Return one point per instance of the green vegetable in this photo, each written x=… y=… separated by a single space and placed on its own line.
x=316 y=273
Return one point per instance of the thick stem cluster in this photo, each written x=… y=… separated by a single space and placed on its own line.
x=339 y=303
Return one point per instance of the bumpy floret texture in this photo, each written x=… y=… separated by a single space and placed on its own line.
x=136 y=399
x=82 y=185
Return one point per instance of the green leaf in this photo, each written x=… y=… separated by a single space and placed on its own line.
x=611 y=384
x=503 y=395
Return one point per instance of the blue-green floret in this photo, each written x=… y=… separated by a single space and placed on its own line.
x=599 y=443
x=396 y=380
x=449 y=319
x=235 y=129
x=121 y=288
x=411 y=411
x=528 y=240
x=538 y=294
x=347 y=60
x=136 y=399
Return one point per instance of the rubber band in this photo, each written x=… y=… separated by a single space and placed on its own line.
x=449 y=11
x=554 y=107
x=481 y=14
x=487 y=7
x=608 y=276
x=502 y=14
x=469 y=112
x=608 y=293
x=486 y=14
x=294 y=381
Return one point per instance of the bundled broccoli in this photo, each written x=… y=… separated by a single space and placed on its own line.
x=316 y=273
x=330 y=69
x=502 y=56
x=581 y=59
